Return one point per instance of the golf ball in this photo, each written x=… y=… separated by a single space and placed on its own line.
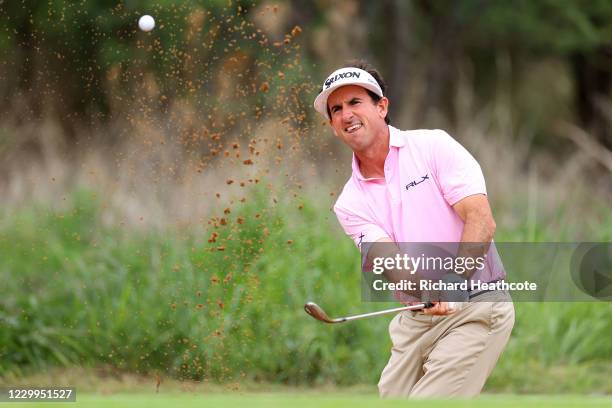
x=146 y=23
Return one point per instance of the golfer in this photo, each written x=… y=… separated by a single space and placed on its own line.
x=418 y=186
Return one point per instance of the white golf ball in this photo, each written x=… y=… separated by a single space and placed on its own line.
x=146 y=23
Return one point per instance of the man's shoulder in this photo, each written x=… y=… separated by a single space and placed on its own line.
x=346 y=198
x=421 y=136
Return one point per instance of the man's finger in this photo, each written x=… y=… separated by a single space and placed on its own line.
x=440 y=309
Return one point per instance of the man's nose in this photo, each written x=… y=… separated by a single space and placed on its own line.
x=347 y=113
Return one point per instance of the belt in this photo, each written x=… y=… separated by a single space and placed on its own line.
x=471 y=295
x=474 y=293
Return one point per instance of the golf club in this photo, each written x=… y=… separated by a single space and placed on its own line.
x=318 y=313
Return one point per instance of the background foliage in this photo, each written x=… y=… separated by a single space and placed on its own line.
x=165 y=197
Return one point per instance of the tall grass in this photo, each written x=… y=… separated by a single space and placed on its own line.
x=223 y=302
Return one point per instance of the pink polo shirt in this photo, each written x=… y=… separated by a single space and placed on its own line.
x=426 y=172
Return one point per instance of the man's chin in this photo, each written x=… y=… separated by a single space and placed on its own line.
x=357 y=137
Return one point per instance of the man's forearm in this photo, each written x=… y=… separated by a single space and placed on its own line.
x=387 y=249
x=476 y=238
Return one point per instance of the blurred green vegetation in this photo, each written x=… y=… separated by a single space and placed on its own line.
x=548 y=60
x=223 y=302
x=206 y=72
x=218 y=82
x=310 y=399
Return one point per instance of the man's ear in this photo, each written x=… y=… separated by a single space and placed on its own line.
x=383 y=106
x=332 y=128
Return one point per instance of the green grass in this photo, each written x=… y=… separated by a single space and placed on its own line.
x=298 y=400
x=77 y=292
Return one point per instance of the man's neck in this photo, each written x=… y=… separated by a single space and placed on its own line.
x=372 y=159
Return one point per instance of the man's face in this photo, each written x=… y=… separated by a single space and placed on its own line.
x=355 y=117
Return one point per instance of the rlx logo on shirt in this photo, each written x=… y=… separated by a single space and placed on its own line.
x=415 y=183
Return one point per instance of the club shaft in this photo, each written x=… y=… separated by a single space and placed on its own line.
x=418 y=306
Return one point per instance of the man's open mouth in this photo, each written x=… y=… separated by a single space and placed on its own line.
x=353 y=128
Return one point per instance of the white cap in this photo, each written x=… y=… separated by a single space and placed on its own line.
x=342 y=77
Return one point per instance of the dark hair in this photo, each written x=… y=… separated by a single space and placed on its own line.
x=381 y=82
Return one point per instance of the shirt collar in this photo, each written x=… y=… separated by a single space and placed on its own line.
x=395 y=140
x=356 y=170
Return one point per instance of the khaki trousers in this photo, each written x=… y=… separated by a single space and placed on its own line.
x=447 y=356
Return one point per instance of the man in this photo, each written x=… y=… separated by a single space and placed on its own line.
x=418 y=186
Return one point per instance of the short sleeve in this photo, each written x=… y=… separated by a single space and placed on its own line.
x=358 y=227
x=457 y=171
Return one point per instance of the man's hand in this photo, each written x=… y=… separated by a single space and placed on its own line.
x=440 y=309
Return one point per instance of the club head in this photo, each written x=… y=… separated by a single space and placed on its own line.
x=315 y=311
